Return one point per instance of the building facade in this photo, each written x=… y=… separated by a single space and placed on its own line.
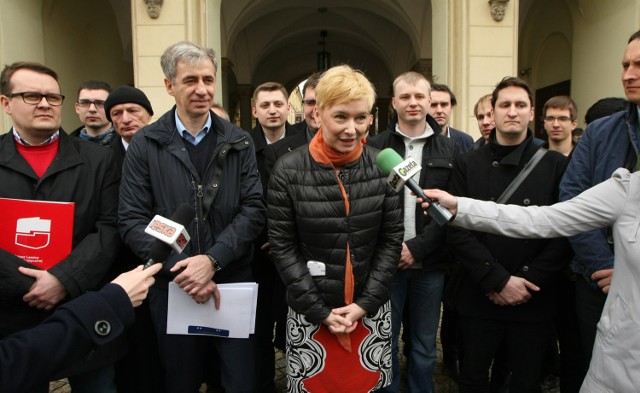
x=559 y=46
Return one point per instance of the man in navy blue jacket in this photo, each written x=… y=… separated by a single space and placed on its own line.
x=190 y=155
x=442 y=102
x=607 y=144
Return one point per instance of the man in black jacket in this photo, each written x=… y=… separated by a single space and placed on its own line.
x=39 y=161
x=507 y=296
x=442 y=103
x=419 y=279
x=270 y=108
x=128 y=109
x=303 y=131
x=140 y=371
x=190 y=155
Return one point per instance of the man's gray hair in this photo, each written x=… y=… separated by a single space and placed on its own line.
x=187 y=52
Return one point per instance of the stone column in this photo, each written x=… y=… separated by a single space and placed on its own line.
x=244 y=95
x=383 y=104
x=177 y=21
x=478 y=53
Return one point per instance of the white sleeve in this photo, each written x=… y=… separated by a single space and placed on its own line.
x=596 y=207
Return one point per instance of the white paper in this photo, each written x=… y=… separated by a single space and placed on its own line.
x=254 y=306
x=234 y=319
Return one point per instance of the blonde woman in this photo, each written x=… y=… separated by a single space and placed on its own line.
x=335 y=229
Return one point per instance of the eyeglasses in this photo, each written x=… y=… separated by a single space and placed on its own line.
x=561 y=119
x=84 y=103
x=309 y=102
x=34 y=98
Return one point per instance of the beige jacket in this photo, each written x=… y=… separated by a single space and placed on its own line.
x=615 y=365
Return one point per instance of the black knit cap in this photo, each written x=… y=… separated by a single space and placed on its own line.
x=126 y=95
x=605 y=107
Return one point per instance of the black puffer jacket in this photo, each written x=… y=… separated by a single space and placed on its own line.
x=307 y=221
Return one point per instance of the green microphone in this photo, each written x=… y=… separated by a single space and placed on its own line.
x=400 y=174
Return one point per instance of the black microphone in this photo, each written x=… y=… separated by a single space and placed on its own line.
x=390 y=162
x=160 y=250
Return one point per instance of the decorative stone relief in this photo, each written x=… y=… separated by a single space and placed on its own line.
x=153 y=8
x=498 y=8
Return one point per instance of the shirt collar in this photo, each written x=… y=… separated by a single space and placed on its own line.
x=23 y=142
x=284 y=133
x=186 y=135
x=428 y=131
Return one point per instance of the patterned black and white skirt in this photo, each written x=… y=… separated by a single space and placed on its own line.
x=317 y=363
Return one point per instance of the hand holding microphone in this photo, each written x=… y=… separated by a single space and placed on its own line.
x=444 y=198
x=400 y=174
x=136 y=283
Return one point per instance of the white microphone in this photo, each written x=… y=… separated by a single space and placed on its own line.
x=169 y=234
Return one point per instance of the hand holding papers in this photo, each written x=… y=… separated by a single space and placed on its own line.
x=235 y=318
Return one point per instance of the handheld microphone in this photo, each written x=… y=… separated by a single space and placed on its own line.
x=170 y=234
x=400 y=174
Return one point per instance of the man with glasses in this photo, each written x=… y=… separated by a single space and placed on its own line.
x=565 y=362
x=560 y=119
x=302 y=134
x=309 y=124
x=39 y=161
x=90 y=109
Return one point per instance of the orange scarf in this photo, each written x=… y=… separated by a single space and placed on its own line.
x=324 y=154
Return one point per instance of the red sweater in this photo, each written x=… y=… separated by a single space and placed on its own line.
x=39 y=157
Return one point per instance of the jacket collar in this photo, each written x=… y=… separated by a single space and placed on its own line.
x=430 y=120
x=259 y=140
x=632 y=113
x=168 y=133
x=67 y=156
x=516 y=156
x=632 y=121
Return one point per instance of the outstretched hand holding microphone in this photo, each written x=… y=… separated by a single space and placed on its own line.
x=400 y=174
x=445 y=199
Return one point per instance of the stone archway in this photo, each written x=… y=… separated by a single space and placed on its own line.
x=279 y=40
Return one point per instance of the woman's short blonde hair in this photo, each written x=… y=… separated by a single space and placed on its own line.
x=343 y=84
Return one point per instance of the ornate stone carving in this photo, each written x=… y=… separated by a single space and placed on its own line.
x=153 y=8
x=498 y=8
